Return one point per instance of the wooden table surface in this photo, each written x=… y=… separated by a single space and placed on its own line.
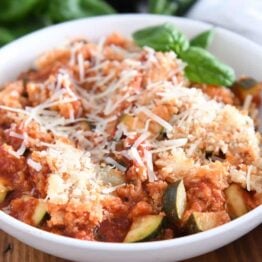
x=246 y=249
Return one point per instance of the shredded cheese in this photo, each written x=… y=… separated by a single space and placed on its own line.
x=150 y=169
x=35 y=165
x=134 y=154
x=247 y=102
x=81 y=67
x=141 y=139
x=248 y=176
x=111 y=161
x=156 y=118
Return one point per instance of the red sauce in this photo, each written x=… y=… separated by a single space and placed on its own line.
x=11 y=196
x=203 y=196
x=23 y=209
x=12 y=169
x=13 y=141
x=113 y=230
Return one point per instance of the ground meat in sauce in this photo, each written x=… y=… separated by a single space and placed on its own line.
x=113 y=230
x=203 y=196
x=23 y=209
x=13 y=171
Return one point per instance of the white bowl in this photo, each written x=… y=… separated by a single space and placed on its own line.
x=240 y=53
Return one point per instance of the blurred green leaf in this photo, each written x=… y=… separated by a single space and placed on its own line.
x=184 y=6
x=203 y=39
x=164 y=7
x=169 y=7
x=62 y=10
x=5 y=36
x=97 y=7
x=10 y=33
x=15 y=10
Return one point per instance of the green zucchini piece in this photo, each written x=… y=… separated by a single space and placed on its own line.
x=39 y=213
x=247 y=86
x=202 y=221
x=3 y=192
x=175 y=201
x=112 y=176
x=236 y=204
x=4 y=189
x=143 y=228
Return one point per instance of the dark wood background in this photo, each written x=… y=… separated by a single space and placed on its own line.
x=246 y=249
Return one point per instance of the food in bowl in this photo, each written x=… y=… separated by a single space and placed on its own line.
x=113 y=142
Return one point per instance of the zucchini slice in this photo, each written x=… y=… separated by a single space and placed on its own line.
x=248 y=86
x=202 y=221
x=3 y=192
x=132 y=122
x=236 y=204
x=175 y=201
x=143 y=228
x=39 y=213
x=139 y=122
x=112 y=176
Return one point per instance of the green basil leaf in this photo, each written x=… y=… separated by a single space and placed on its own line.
x=164 y=37
x=203 y=67
x=14 y=10
x=156 y=6
x=63 y=10
x=98 y=7
x=5 y=36
x=170 y=9
x=203 y=40
x=166 y=7
x=184 y=6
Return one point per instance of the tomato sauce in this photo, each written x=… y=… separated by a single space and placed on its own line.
x=113 y=230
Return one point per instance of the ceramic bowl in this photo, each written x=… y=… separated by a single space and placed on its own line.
x=243 y=55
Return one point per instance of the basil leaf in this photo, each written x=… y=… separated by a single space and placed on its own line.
x=184 y=6
x=62 y=10
x=169 y=7
x=164 y=37
x=203 y=67
x=165 y=7
x=5 y=36
x=15 y=10
x=203 y=40
x=157 y=6
x=97 y=7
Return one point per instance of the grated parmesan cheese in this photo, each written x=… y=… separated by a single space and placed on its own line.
x=248 y=176
x=81 y=67
x=35 y=165
x=247 y=102
x=111 y=161
x=156 y=118
x=150 y=169
x=133 y=153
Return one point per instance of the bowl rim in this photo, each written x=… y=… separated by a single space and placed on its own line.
x=160 y=244
x=180 y=241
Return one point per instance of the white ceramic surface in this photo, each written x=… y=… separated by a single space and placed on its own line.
x=235 y=50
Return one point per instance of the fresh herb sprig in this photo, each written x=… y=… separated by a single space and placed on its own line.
x=202 y=66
